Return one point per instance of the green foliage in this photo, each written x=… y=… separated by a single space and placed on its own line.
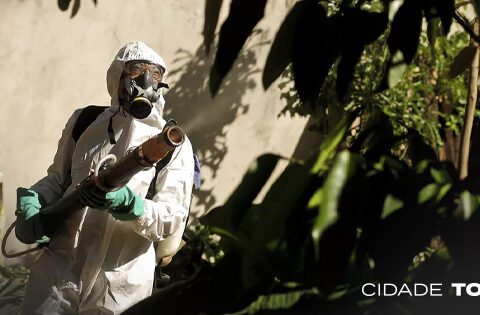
x=331 y=142
x=405 y=30
x=276 y=301
x=417 y=101
x=319 y=235
x=340 y=173
x=312 y=38
x=229 y=216
x=366 y=206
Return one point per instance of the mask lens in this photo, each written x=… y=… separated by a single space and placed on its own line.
x=136 y=68
x=156 y=72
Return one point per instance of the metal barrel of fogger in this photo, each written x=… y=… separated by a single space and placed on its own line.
x=115 y=176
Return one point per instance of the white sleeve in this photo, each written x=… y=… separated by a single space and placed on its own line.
x=168 y=209
x=53 y=186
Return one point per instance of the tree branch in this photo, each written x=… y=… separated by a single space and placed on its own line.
x=465 y=26
x=469 y=111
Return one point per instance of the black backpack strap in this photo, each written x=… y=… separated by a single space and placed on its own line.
x=158 y=167
x=85 y=119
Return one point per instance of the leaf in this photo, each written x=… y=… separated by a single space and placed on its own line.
x=393 y=7
x=289 y=194
x=377 y=139
x=391 y=205
x=445 y=9
x=468 y=204
x=220 y=218
x=230 y=215
x=461 y=232
x=345 y=4
x=280 y=54
x=360 y=28
x=331 y=142
x=432 y=30
x=212 y=12
x=253 y=181
x=442 y=192
x=316 y=199
x=428 y=192
x=363 y=26
x=462 y=61
x=63 y=4
x=316 y=46
x=280 y=201
x=76 y=7
x=343 y=168
x=441 y=176
x=222 y=232
x=405 y=31
x=276 y=301
x=243 y=16
x=395 y=72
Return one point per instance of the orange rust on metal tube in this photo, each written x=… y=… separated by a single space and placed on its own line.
x=157 y=147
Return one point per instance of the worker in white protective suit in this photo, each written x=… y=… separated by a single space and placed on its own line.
x=102 y=259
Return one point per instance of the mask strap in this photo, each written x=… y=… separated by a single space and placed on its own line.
x=111 y=133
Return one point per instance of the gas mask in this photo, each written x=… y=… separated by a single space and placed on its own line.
x=140 y=93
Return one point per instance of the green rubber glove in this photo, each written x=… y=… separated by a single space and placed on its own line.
x=28 y=227
x=123 y=204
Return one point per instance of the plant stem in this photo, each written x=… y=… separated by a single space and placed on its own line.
x=470 y=110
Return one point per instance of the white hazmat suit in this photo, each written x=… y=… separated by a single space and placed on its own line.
x=95 y=264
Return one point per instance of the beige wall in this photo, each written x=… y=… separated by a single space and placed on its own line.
x=51 y=65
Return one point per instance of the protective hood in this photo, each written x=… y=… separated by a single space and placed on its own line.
x=132 y=51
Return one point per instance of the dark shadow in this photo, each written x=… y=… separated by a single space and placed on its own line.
x=204 y=118
x=308 y=143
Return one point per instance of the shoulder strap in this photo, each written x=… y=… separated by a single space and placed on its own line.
x=160 y=166
x=163 y=162
x=85 y=119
